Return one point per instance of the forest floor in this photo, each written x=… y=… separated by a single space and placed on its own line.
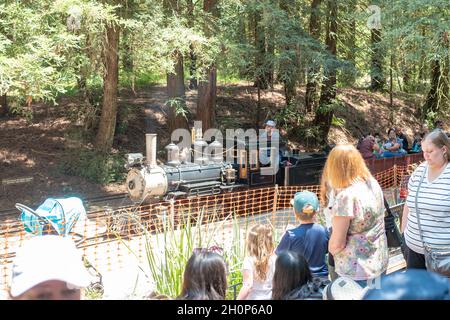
x=30 y=151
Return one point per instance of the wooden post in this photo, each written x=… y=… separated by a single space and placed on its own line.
x=275 y=204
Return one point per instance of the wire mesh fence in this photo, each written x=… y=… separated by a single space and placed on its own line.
x=109 y=238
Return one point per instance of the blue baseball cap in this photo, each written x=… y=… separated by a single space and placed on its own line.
x=304 y=198
x=270 y=123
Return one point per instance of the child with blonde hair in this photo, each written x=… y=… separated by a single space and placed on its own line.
x=259 y=264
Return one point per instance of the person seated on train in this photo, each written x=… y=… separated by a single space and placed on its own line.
x=271 y=136
x=424 y=130
x=309 y=239
x=417 y=143
x=271 y=132
x=393 y=146
x=439 y=124
x=403 y=137
x=378 y=151
x=367 y=147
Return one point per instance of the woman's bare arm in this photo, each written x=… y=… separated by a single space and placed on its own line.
x=338 y=238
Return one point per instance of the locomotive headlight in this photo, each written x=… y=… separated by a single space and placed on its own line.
x=145 y=182
x=134 y=159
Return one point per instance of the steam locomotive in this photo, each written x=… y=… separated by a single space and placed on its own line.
x=210 y=174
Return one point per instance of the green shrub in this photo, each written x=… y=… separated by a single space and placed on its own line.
x=196 y=229
x=94 y=166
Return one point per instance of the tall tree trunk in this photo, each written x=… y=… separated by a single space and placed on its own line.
x=3 y=105
x=207 y=93
x=289 y=68
x=244 y=38
x=193 y=83
x=175 y=81
x=261 y=80
x=348 y=78
x=177 y=95
x=438 y=95
x=406 y=74
x=311 y=95
x=207 y=88
x=324 y=113
x=376 y=70
x=107 y=126
x=128 y=63
x=270 y=57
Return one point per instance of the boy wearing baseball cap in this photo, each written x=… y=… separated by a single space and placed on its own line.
x=309 y=239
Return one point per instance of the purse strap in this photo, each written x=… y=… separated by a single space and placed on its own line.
x=425 y=246
x=388 y=209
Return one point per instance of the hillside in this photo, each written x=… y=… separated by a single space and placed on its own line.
x=30 y=152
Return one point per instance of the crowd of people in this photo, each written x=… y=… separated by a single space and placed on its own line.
x=310 y=257
x=397 y=144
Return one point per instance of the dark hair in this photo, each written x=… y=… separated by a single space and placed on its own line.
x=205 y=277
x=438 y=122
x=291 y=272
x=391 y=129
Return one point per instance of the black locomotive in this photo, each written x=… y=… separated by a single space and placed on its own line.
x=210 y=174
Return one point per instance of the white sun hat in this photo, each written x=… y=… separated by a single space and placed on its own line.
x=44 y=258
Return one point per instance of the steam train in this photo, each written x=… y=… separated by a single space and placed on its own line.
x=209 y=173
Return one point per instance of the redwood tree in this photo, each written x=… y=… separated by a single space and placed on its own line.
x=107 y=126
x=207 y=87
x=324 y=114
x=177 y=95
x=311 y=95
x=193 y=82
x=175 y=80
x=438 y=94
x=376 y=70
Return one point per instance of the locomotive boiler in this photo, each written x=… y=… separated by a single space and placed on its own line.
x=208 y=174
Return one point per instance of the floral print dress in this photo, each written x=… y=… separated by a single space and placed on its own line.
x=366 y=253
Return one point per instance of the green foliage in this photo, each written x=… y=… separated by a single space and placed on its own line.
x=430 y=118
x=179 y=105
x=169 y=249
x=94 y=166
x=336 y=104
x=338 y=122
x=42 y=56
x=289 y=117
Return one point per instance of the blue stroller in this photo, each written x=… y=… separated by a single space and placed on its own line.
x=54 y=216
x=59 y=217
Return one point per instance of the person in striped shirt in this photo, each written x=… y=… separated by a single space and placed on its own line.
x=433 y=201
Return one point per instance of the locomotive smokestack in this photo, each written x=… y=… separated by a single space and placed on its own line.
x=150 y=148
